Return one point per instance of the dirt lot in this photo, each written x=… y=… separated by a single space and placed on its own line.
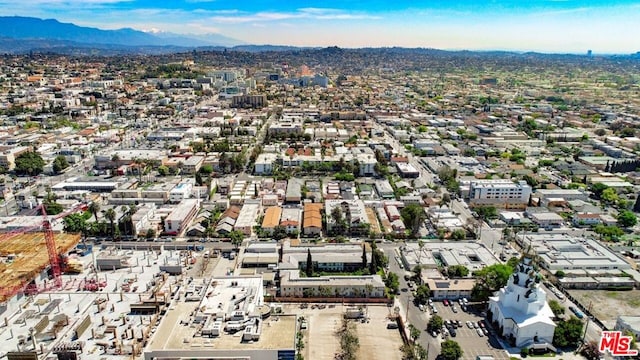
x=607 y=305
x=376 y=342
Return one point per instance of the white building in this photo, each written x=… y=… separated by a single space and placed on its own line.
x=292 y=285
x=500 y=193
x=521 y=311
x=180 y=217
x=180 y=192
x=264 y=163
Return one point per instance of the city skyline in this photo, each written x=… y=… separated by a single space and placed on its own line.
x=555 y=26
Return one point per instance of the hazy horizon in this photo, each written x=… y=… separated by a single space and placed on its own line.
x=551 y=26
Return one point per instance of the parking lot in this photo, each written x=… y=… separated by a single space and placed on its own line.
x=470 y=342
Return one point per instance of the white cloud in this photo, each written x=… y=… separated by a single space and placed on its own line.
x=238 y=17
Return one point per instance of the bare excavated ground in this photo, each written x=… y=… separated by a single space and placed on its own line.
x=608 y=305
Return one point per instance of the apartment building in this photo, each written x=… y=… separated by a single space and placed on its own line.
x=501 y=193
x=180 y=217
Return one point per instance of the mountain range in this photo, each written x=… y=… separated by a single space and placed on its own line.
x=30 y=33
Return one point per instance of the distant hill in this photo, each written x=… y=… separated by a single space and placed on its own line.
x=29 y=28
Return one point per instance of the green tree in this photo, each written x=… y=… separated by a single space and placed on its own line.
x=450 y=350
x=29 y=163
x=414 y=332
x=457 y=271
x=422 y=294
x=435 y=323
x=163 y=170
x=236 y=238
x=627 y=219
x=150 y=233
x=489 y=280
x=513 y=262
x=609 y=196
x=458 y=234
x=598 y=189
x=486 y=212
x=110 y=214
x=558 y=310
x=568 y=332
x=206 y=169
x=309 y=267
x=364 y=256
x=413 y=216
x=94 y=208
x=392 y=282
x=75 y=223
x=60 y=163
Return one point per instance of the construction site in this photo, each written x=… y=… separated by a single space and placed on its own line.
x=93 y=312
x=23 y=257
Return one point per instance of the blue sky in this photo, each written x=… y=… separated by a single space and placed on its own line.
x=528 y=25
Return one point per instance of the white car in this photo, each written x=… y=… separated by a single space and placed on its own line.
x=470 y=324
x=479 y=331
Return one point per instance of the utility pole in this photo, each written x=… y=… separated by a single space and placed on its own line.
x=586 y=328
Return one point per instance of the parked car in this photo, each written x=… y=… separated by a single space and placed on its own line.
x=459 y=323
x=445 y=302
x=464 y=308
x=481 y=323
x=485 y=332
x=453 y=332
x=454 y=308
x=421 y=307
x=469 y=324
x=480 y=333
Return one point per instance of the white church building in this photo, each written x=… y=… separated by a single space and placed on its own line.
x=521 y=311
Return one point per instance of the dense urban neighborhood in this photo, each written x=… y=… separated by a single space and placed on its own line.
x=318 y=204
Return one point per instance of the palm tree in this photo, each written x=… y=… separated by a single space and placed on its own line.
x=110 y=214
x=94 y=208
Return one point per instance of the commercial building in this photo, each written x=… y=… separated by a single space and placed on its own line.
x=180 y=217
x=521 y=311
x=500 y=193
x=564 y=252
x=223 y=318
x=472 y=255
x=547 y=196
x=293 y=285
x=95 y=186
x=451 y=289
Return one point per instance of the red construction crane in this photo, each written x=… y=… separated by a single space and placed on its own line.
x=52 y=251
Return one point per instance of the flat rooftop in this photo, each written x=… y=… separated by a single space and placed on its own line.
x=220 y=299
x=566 y=252
x=473 y=256
x=111 y=323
